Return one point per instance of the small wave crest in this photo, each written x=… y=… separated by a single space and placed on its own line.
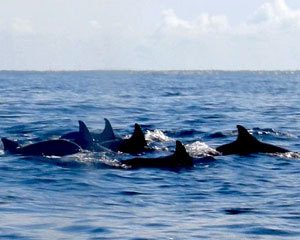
x=52 y=157
x=217 y=135
x=200 y=149
x=157 y=135
x=112 y=162
x=272 y=132
x=171 y=94
x=288 y=155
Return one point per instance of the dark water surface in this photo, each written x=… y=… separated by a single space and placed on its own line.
x=83 y=197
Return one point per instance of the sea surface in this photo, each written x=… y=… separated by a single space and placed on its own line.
x=88 y=196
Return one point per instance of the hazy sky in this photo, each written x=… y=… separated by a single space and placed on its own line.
x=149 y=34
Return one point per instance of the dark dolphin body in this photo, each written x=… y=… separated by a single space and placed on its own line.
x=107 y=134
x=82 y=138
x=179 y=159
x=107 y=140
x=136 y=143
x=246 y=144
x=57 y=147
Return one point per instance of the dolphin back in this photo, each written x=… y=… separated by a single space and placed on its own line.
x=136 y=143
x=107 y=134
x=269 y=148
x=59 y=147
x=247 y=144
x=179 y=159
x=72 y=136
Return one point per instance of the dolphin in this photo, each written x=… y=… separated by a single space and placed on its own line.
x=180 y=158
x=136 y=143
x=246 y=144
x=84 y=139
x=106 y=135
x=58 y=147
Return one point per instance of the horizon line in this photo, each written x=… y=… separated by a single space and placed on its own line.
x=151 y=70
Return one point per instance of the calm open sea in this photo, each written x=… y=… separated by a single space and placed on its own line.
x=84 y=197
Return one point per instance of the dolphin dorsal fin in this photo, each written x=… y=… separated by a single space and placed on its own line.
x=138 y=135
x=244 y=135
x=9 y=145
x=85 y=133
x=108 y=131
x=180 y=150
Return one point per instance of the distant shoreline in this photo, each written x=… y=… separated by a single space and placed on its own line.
x=155 y=71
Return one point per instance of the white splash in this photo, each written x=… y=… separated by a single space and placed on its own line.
x=199 y=149
x=94 y=159
x=157 y=135
x=112 y=163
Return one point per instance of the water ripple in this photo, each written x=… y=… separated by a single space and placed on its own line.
x=88 y=195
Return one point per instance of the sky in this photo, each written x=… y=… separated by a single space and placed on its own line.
x=149 y=35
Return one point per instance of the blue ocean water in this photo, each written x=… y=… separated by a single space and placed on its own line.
x=84 y=196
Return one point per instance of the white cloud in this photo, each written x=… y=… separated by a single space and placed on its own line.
x=172 y=21
x=203 y=24
x=22 y=26
x=173 y=39
x=95 y=25
x=268 y=39
x=274 y=17
x=275 y=12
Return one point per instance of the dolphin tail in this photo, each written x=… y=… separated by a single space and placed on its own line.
x=9 y=145
x=138 y=135
x=85 y=134
x=108 y=131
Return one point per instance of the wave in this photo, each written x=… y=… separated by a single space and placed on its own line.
x=185 y=133
x=217 y=135
x=273 y=132
x=288 y=155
